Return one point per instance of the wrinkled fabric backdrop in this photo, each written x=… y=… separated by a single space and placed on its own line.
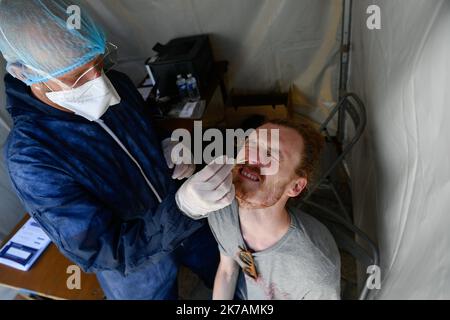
x=401 y=168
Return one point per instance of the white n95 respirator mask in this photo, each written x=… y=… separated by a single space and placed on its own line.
x=90 y=100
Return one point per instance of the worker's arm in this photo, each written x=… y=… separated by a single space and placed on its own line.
x=87 y=230
x=226 y=279
x=208 y=190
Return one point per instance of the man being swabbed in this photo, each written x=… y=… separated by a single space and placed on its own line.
x=268 y=249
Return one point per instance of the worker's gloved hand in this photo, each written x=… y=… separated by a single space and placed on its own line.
x=208 y=190
x=181 y=170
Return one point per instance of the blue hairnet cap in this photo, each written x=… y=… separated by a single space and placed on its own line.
x=42 y=39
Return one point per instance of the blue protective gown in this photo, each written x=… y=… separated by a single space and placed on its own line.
x=85 y=191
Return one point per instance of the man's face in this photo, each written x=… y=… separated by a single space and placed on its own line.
x=255 y=190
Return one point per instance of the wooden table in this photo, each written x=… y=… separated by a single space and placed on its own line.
x=48 y=277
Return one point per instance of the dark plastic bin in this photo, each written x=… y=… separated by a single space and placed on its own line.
x=182 y=56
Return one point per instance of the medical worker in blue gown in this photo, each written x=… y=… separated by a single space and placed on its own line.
x=84 y=158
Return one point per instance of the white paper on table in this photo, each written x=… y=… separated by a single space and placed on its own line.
x=145 y=92
x=23 y=249
x=148 y=82
x=188 y=110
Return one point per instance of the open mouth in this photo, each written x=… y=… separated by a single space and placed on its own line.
x=249 y=174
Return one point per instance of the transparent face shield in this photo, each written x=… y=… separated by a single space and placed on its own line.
x=85 y=73
x=85 y=91
x=68 y=80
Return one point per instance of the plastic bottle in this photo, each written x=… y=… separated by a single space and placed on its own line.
x=182 y=87
x=192 y=87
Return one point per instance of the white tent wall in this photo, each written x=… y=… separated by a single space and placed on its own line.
x=401 y=168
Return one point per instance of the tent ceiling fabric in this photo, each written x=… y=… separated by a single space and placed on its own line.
x=271 y=44
x=401 y=169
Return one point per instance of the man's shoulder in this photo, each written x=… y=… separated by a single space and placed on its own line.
x=319 y=235
x=225 y=228
x=309 y=222
x=223 y=218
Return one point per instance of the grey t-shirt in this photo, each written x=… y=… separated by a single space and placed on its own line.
x=303 y=264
